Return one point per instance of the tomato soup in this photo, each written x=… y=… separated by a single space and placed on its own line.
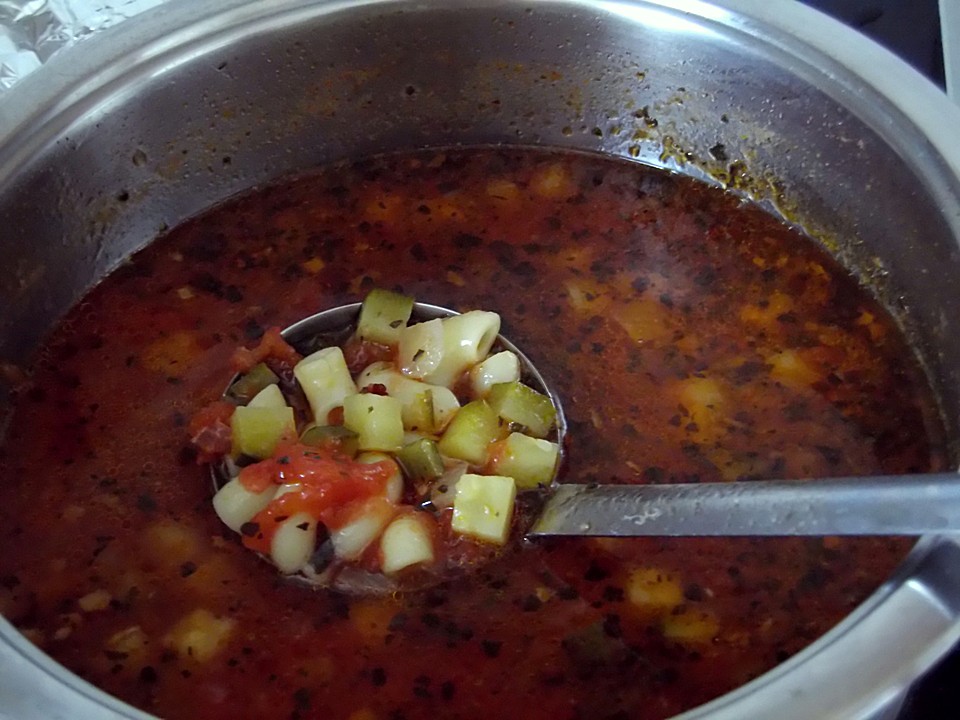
x=691 y=337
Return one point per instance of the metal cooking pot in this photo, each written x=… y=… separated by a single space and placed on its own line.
x=184 y=106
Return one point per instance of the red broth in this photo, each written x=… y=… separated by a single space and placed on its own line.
x=691 y=336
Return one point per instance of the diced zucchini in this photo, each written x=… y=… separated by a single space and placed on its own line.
x=483 y=507
x=418 y=414
x=421 y=460
x=248 y=385
x=517 y=403
x=294 y=542
x=383 y=315
x=470 y=433
x=504 y=367
x=530 y=461
x=376 y=419
x=270 y=396
x=235 y=505
x=257 y=430
x=406 y=541
x=344 y=439
x=325 y=380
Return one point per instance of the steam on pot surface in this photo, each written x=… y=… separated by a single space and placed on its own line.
x=691 y=337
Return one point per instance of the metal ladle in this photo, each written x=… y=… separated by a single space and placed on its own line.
x=871 y=505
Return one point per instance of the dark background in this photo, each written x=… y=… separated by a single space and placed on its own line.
x=911 y=29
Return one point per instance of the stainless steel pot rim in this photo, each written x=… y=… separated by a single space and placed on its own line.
x=92 y=76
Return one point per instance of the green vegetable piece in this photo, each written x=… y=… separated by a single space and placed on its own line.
x=530 y=461
x=376 y=419
x=383 y=315
x=470 y=433
x=345 y=440
x=483 y=507
x=517 y=403
x=248 y=386
x=421 y=460
x=418 y=414
x=257 y=430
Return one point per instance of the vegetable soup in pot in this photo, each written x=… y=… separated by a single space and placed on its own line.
x=691 y=337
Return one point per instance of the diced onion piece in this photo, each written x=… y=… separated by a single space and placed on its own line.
x=406 y=541
x=325 y=380
x=294 y=542
x=503 y=367
x=393 y=490
x=444 y=490
x=364 y=525
x=257 y=430
x=467 y=340
x=376 y=419
x=483 y=507
x=421 y=348
x=472 y=430
x=517 y=403
x=383 y=315
x=410 y=393
x=270 y=396
x=531 y=462
x=235 y=505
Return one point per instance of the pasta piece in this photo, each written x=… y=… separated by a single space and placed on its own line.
x=293 y=543
x=503 y=367
x=406 y=541
x=269 y=397
x=443 y=402
x=325 y=380
x=235 y=505
x=420 y=348
x=394 y=487
x=376 y=419
x=467 y=339
x=364 y=523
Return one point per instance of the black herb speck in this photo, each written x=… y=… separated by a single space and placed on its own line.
x=595 y=573
x=146 y=503
x=491 y=648
x=301 y=699
x=148 y=674
x=447 y=690
x=378 y=676
x=187 y=569
x=249 y=529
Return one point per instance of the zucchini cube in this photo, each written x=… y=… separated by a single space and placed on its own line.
x=517 y=403
x=383 y=314
x=483 y=507
x=470 y=433
x=257 y=430
x=531 y=462
x=376 y=419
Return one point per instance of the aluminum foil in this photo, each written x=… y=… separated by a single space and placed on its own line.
x=32 y=31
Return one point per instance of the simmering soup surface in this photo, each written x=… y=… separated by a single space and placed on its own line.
x=691 y=337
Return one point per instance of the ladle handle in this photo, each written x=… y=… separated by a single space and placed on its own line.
x=884 y=505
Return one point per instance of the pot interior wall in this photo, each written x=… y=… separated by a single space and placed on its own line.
x=224 y=105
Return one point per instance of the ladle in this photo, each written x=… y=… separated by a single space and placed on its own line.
x=878 y=505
